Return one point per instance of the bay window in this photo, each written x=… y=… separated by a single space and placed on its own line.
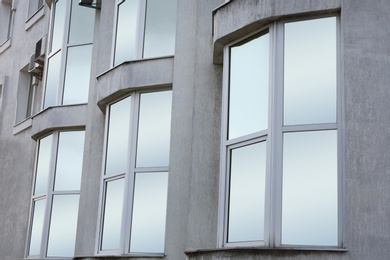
x=135 y=178
x=55 y=196
x=280 y=159
x=70 y=54
x=144 y=29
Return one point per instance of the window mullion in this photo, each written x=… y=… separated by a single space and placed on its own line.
x=49 y=194
x=276 y=134
x=130 y=176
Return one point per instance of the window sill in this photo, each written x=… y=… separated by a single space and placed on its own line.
x=241 y=252
x=107 y=257
x=21 y=126
x=34 y=18
x=4 y=46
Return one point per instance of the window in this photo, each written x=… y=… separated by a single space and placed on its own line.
x=2 y=83
x=280 y=166
x=135 y=177
x=33 y=7
x=145 y=29
x=55 y=196
x=25 y=96
x=69 y=60
x=5 y=21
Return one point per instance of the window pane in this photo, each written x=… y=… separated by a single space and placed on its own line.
x=126 y=34
x=149 y=212
x=43 y=165
x=63 y=225
x=59 y=24
x=81 y=24
x=118 y=137
x=248 y=97
x=33 y=6
x=52 y=80
x=310 y=72
x=247 y=193
x=112 y=214
x=309 y=212
x=69 y=161
x=5 y=15
x=37 y=227
x=160 y=28
x=154 y=129
x=78 y=68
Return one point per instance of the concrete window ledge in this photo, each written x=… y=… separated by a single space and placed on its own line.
x=72 y=117
x=121 y=257
x=236 y=19
x=264 y=253
x=133 y=75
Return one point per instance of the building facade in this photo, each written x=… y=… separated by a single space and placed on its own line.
x=181 y=129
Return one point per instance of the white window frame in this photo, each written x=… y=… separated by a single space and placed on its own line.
x=48 y=196
x=64 y=51
x=128 y=176
x=274 y=135
x=7 y=43
x=141 y=18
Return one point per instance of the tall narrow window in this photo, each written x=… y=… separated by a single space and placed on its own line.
x=25 y=95
x=280 y=173
x=69 y=59
x=135 y=179
x=5 y=21
x=33 y=7
x=55 y=197
x=145 y=29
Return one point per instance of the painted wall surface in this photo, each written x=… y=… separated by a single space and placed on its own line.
x=204 y=27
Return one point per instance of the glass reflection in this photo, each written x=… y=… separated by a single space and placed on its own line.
x=37 y=227
x=43 y=165
x=125 y=45
x=78 y=67
x=81 y=24
x=149 y=212
x=59 y=25
x=118 y=137
x=112 y=215
x=309 y=211
x=154 y=129
x=69 y=161
x=247 y=193
x=248 y=90
x=63 y=225
x=310 y=72
x=52 y=80
x=160 y=28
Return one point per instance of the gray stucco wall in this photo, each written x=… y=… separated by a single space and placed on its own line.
x=195 y=74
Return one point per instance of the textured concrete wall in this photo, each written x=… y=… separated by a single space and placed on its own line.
x=196 y=119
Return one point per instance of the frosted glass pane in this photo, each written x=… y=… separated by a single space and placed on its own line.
x=37 y=227
x=63 y=225
x=248 y=91
x=118 y=137
x=52 y=80
x=43 y=165
x=81 y=24
x=149 y=212
x=154 y=129
x=112 y=215
x=310 y=72
x=247 y=193
x=160 y=28
x=77 y=74
x=126 y=34
x=69 y=161
x=59 y=24
x=309 y=211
